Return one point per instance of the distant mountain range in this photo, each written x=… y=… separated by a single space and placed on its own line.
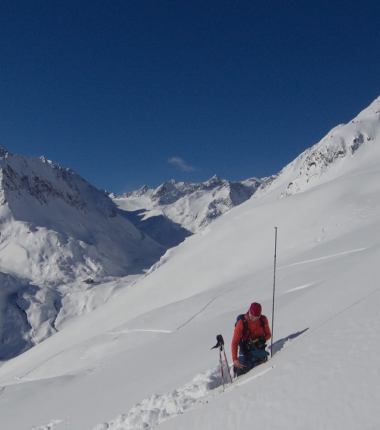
x=191 y=206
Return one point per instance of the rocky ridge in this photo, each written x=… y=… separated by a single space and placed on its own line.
x=190 y=205
x=326 y=159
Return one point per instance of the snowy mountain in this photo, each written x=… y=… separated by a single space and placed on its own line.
x=192 y=206
x=143 y=360
x=329 y=158
x=56 y=232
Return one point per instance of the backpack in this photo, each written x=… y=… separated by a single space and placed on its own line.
x=261 y=344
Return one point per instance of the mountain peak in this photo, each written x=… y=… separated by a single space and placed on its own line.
x=215 y=178
x=4 y=152
x=138 y=193
x=372 y=109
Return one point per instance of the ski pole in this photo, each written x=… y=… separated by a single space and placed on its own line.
x=220 y=344
x=274 y=287
x=221 y=367
x=228 y=367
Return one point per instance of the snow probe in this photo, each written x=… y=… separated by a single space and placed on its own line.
x=274 y=287
x=220 y=345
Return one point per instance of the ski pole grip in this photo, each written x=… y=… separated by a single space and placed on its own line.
x=220 y=340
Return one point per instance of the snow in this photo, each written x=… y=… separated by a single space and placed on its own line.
x=142 y=359
x=191 y=205
x=56 y=231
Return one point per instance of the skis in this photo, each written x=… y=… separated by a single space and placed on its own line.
x=256 y=375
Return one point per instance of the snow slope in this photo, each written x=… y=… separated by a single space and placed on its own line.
x=56 y=231
x=143 y=359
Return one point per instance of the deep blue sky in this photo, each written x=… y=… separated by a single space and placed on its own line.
x=117 y=89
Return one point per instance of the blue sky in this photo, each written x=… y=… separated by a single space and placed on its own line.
x=129 y=93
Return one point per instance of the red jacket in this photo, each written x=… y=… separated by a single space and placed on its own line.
x=254 y=331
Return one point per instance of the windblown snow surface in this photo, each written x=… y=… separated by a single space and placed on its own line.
x=143 y=359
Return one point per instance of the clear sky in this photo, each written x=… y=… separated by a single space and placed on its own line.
x=137 y=92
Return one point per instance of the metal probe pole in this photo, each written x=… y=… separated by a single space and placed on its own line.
x=274 y=287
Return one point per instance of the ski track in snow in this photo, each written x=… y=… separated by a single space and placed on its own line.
x=299 y=288
x=158 y=408
x=140 y=329
x=209 y=303
x=321 y=258
x=186 y=322
x=339 y=313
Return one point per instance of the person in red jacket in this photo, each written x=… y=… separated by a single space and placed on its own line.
x=250 y=336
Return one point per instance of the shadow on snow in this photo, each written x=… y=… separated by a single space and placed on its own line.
x=277 y=346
